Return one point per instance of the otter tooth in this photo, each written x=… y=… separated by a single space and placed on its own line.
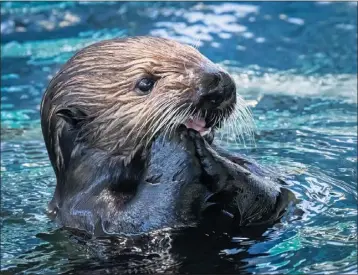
x=206 y=132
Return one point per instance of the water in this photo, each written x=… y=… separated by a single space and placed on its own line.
x=295 y=64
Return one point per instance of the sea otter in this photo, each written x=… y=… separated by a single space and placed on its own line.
x=128 y=125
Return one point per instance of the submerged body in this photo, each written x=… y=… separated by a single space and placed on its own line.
x=123 y=123
x=184 y=182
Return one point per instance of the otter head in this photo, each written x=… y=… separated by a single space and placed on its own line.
x=118 y=94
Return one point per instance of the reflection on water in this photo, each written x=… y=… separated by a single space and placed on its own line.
x=295 y=64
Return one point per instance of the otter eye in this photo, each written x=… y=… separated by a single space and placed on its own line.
x=145 y=85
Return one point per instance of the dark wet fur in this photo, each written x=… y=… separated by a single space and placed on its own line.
x=102 y=195
x=182 y=180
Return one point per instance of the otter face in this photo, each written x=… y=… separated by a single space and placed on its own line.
x=194 y=91
x=130 y=90
x=117 y=97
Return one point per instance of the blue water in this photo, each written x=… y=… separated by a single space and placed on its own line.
x=294 y=63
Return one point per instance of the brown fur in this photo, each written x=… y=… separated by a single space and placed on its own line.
x=100 y=80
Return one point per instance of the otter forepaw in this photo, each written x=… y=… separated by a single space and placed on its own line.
x=210 y=137
x=206 y=158
x=194 y=134
x=199 y=142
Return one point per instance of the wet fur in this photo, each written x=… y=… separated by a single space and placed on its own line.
x=158 y=197
x=91 y=106
x=97 y=86
x=107 y=144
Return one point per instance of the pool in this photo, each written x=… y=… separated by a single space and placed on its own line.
x=295 y=63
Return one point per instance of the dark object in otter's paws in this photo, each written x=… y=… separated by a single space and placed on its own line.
x=255 y=198
x=167 y=193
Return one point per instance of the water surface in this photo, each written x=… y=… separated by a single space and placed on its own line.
x=294 y=63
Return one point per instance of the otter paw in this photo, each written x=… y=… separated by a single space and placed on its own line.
x=184 y=135
x=206 y=159
x=210 y=137
x=199 y=144
x=194 y=134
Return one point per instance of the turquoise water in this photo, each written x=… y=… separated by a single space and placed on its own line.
x=294 y=63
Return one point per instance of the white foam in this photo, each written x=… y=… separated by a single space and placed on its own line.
x=340 y=86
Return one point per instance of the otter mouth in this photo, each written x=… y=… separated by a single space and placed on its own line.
x=198 y=124
x=206 y=124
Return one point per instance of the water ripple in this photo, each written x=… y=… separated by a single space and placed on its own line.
x=294 y=63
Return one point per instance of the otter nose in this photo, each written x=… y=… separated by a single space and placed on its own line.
x=216 y=88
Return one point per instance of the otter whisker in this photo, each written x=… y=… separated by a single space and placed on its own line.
x=151 y=125
x=169 y=125
x=196 y=44
x=175 y=121
x=160 y=121
x=241 y=122
x=167 y=110
x=235 y=123
x=157 y=128
x=226 y=129
x=146 y=113
x=182 y=117
x=152 y=113
x=172 y=118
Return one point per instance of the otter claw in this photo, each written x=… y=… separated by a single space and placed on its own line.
x=194 y=134
x=209 y=137
x=184 y=135
x=199 y=143
x=200 y=146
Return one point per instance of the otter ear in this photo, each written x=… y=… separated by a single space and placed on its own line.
x=71 y=115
